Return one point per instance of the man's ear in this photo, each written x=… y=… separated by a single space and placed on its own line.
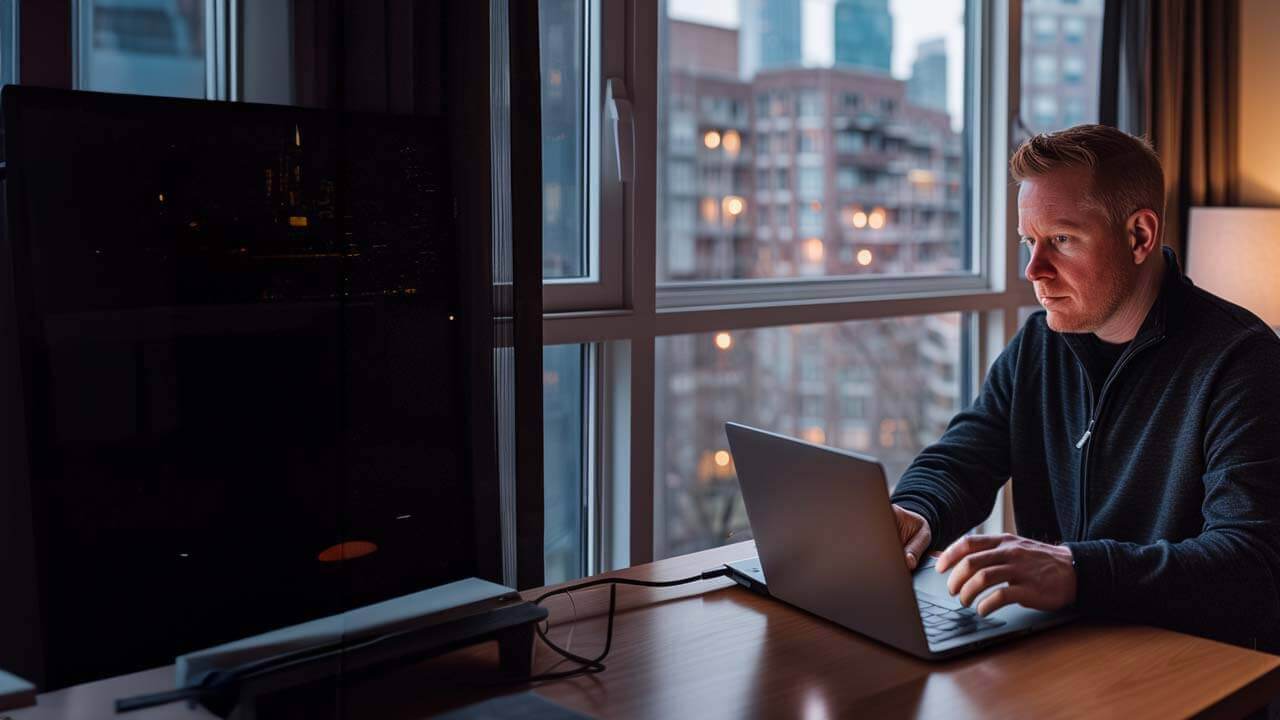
x=1142 y=231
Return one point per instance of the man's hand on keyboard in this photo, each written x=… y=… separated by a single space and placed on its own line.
x=914 y=532
x=1039 y=576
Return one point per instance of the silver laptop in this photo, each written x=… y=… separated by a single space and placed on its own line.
x=827 y=543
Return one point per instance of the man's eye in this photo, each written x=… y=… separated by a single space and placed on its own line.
x=1029 y=242
x=1060 y=239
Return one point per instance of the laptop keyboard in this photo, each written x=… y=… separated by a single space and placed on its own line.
x=942 y=623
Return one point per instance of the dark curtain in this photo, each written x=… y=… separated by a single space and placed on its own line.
x=1175 y=81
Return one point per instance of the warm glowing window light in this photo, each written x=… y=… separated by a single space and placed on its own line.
x=813 y=249
x=864 y=257
x=711 y=139
x=732 y=142
x=724 y=340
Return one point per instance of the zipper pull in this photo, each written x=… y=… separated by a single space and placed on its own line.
x=1087 y=434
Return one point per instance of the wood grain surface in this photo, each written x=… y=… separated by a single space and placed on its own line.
x=714 y=650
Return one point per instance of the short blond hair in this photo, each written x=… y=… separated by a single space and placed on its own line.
x=1125 y=171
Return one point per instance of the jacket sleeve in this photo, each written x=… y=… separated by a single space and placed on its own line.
x=1221 y=583
x=953 y=482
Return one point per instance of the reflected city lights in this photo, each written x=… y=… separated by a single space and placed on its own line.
x=859 y=219
x=876 y=219
x=347 y=551
x=724 y=340
x=732 y=142
x=864 y=257
x=722 y=458
x=815 y=435
x=711 y=139
x=734 y=205
x=813 y=249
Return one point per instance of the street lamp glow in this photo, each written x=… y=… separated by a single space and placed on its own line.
x=734 y=205
x=722 y=458
x=813 y=249
x=711 y=139
x=864 y=257
x=724 y=340
x=876 y=219
x=859 y=219
x=732 y=142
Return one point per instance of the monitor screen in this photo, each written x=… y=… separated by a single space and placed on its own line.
x=242 y=367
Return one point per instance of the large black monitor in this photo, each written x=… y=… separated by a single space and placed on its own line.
x=232 y=353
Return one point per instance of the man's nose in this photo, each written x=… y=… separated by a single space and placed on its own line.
x=1039 y=267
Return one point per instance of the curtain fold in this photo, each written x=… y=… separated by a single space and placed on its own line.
x=1175 y=82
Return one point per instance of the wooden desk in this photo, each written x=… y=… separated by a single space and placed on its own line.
x=713 y=650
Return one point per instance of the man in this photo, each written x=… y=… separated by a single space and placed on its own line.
x=1137 y=415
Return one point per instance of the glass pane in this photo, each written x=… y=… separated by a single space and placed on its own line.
x=1061 y=60
x=882 y=387
x=563 y=32
x=8 y=46
x=142 y=46
x=812 y=139
x=563 y=453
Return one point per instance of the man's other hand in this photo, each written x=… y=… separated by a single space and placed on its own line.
x=1039 y=576
x=915 y=534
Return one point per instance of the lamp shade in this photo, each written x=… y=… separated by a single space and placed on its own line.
x=1234 y=253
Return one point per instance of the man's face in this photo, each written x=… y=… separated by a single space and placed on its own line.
x=1081 y=264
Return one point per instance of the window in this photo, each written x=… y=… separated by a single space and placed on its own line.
x=760 y=377
x=1064 y=70
x=565 y=252
x=809 y=104
x=846 y=178
x=1045 y=28
x=810 y=179
x=1044 y=111
x=1073 y=30
x=147 y=48
x=1072 y=70
x=563 y=412
x=912 y=106
x=1046 y=70
x=862 y=315
x=8 y=48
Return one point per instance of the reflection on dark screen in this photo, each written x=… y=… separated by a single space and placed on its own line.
x=245 y=349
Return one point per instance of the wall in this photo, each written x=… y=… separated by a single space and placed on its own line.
x=1259 y=112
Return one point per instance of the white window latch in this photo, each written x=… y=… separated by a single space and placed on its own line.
x=624 y=134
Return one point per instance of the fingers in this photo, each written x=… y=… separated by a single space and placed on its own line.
x=918 y=545
x=965 y=546
x=971 y=564
x=983 y=579
x=1006 y=595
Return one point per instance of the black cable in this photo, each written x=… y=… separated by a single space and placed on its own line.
x=596 y=664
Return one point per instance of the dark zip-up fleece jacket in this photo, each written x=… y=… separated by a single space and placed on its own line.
x=1164 y=482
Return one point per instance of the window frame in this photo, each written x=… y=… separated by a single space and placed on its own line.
x=624 y=335
x=602 y=214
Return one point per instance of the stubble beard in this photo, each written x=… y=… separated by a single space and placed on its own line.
x=1119 y=282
